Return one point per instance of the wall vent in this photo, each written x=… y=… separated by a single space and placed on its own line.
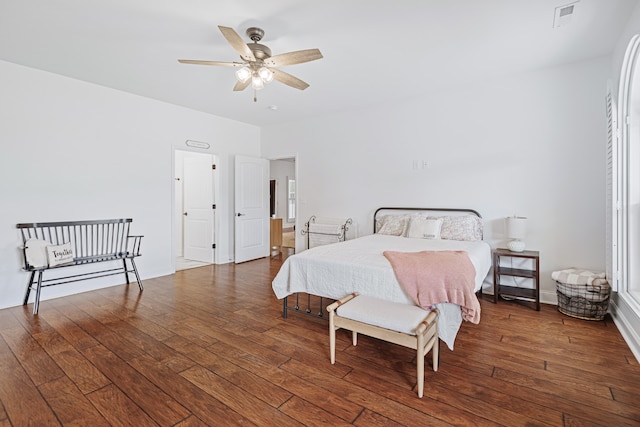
x=563 y=14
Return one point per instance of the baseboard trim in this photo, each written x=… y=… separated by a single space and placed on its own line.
x=625 y=318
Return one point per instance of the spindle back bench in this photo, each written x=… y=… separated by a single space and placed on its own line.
x=91 y=241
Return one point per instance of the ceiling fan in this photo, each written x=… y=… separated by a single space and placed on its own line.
x=258 y=66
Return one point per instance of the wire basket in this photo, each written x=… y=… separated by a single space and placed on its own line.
x=588 y=302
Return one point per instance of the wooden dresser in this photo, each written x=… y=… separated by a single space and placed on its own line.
x=276 y=233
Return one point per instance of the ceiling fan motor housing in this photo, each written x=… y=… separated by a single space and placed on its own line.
x=260 y=51
x=255 y=34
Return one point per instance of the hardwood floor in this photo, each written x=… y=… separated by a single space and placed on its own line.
x=208 y=346
x=289 y=239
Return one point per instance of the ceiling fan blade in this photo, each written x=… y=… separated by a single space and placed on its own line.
x=241 y=86
x=198 y=62
x=237 y=43
x=291 y=58
x=289 y=80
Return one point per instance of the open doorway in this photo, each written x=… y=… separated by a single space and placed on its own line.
x=194 y=211
x=285 y=201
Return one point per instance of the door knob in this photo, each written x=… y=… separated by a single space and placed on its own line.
x=241 y=214
x=185 y=214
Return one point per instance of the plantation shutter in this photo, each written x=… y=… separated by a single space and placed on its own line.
x=612 y=203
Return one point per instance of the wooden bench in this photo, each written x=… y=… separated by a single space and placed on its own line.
x=91 y=242
x=401 y=324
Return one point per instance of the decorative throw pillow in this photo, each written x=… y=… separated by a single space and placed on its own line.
x=35 y=253
x=393 y=225
x=424 y=228
x=60 y=254
x=465 y=227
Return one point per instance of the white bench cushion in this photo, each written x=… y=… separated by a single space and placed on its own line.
x=385 y=314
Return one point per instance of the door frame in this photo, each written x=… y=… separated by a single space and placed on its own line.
x=216 y=191
x=296 y=223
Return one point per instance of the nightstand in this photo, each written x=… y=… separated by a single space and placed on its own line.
x=511 y=291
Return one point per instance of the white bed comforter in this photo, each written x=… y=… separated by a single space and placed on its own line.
x=358 y=265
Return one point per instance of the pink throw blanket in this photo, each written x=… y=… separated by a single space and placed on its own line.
x=432 y=277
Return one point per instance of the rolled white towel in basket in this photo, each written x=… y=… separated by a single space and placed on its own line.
x=575 y=276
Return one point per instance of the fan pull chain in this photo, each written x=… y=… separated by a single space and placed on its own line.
x=255 y=95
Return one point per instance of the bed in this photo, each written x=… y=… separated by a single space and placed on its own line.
x=359 y=265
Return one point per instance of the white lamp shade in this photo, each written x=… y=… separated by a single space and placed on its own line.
x=256 y=82
x=243 y=74
x=516 y=227
x=265 y=74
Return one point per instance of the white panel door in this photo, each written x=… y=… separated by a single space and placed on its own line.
x=198 y=208
x=251 y=208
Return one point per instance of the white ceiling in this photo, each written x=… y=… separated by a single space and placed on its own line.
x=375 y=51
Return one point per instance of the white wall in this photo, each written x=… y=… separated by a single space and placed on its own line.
x=73 y=150
x=531 y=144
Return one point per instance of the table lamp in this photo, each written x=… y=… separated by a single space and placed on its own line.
x=516 y=231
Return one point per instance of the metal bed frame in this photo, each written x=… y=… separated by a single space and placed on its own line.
x=324 y=302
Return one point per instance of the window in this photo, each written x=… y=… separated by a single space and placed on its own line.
x=625 y=174
x=272 y=198
x=291 y=199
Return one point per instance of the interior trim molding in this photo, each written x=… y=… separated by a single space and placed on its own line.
x=627 y=321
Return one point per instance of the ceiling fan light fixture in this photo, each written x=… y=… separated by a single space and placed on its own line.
x=256 y=82
x=243 y=74
x=265 y=74
x=257 y=62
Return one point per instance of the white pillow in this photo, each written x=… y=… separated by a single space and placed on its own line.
x=35 y=252
x=393 y=225
x=424 y=228
x=465 y=227
x=60 y=254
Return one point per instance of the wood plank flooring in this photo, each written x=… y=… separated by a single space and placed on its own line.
x=208 y=346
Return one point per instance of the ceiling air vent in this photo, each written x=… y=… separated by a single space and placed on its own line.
x=563 y=14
